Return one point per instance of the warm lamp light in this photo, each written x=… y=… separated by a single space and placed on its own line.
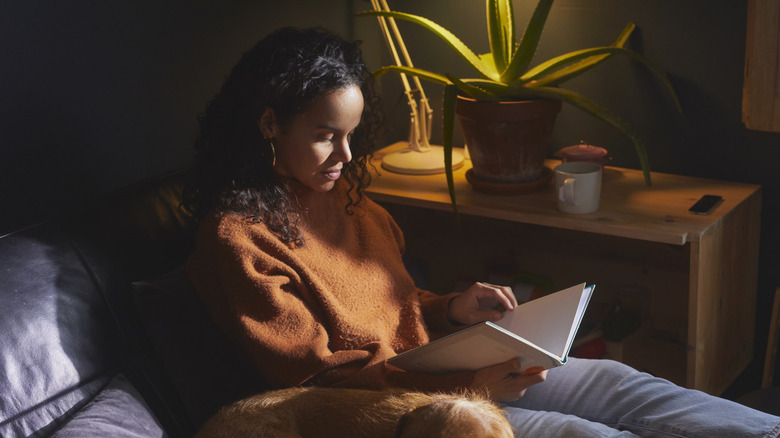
x=419 y=157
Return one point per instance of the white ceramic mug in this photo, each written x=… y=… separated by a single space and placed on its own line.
x=578 y=187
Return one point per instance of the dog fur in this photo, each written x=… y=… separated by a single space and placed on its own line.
x=338 y=412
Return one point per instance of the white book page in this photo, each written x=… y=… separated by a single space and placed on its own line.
x=551 y=321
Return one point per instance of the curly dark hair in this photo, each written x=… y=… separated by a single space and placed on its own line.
x=286 y=71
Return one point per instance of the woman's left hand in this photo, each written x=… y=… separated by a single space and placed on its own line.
x=481 y=302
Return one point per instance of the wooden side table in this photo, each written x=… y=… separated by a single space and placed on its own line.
x=700 y=271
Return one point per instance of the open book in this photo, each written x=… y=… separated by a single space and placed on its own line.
x=539 y=333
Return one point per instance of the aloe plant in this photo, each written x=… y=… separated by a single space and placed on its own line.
x=505 y=72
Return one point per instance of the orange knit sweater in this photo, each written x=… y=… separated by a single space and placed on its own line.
x=329 y=313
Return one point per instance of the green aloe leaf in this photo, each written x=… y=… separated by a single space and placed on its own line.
x=484 y=68
x=596 y=54
x=414 y=71
x=624 y=35
x=528 y=45
x=448 y=124
x=487 y=58
x=469 y=89
x=558 y=77
x=581 y=67
x=482 y=89
x=600 y=113
x=501 y=31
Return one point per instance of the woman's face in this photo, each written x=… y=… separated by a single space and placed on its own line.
x=314 y=146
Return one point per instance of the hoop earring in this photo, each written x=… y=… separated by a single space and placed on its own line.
x=273 y=151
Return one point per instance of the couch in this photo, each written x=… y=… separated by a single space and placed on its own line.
x=101 y=333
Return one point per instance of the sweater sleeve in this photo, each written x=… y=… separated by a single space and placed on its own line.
x=434 y=309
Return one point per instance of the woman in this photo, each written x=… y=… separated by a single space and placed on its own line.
x=305 y=273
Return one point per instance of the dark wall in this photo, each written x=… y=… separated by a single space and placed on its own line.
x=700 y=43
x=95 y=95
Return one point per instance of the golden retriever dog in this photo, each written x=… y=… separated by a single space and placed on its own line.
x=337 y=412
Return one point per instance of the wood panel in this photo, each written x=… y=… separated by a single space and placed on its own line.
x=723 y=298
x=761 y=89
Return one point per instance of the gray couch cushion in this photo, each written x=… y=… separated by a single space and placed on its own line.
x=60 y=343
x=118 y=411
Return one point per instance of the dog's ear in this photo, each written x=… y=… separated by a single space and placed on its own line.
x=407 y=422
x=429 y=420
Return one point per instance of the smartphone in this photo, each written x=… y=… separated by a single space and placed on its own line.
x=706 y=204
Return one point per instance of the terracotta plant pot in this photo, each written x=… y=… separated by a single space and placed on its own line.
x=508 y=141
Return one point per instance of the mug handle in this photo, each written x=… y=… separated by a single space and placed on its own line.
x=566 y=192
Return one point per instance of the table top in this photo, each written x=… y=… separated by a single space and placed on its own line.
x=628 y=207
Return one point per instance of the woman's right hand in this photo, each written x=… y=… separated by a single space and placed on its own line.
x=504 y=383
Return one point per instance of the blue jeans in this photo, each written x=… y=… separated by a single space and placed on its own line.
x=600 y=398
